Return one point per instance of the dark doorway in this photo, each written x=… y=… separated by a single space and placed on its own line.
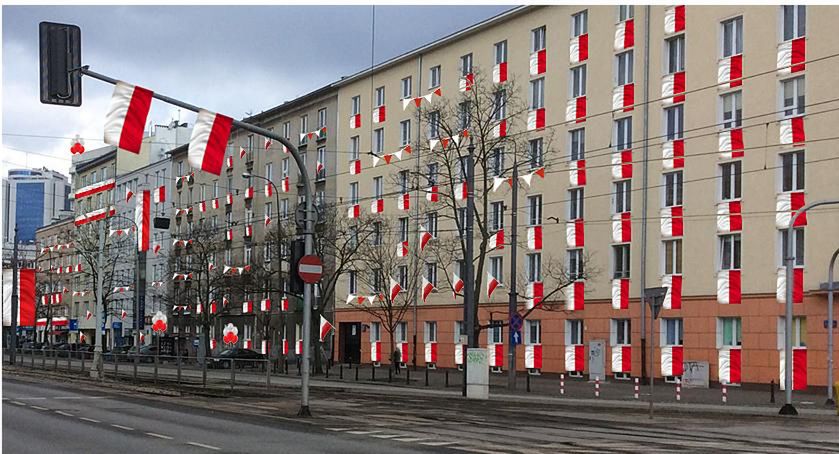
x=350 y=342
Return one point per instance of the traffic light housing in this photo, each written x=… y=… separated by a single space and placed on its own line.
x=60 y=60
x=295 y=283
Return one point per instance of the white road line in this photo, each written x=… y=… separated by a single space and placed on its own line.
x=363 y=432
x=337 y=429
x=38 y=408
x=386 y=436
x=409 y=440
x=202 y=445
x=79 y=397
x=122 y=427
x=28 y=398
x=152 y=434
x=478 y=450
x=96 y=421
x=64 y=413
x=438 y=443
x=19 y=403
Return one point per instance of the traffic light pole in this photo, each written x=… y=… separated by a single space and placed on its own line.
x=513 y=303
x=308 y=231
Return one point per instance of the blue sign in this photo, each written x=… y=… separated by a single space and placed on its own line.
x=116 y=325
x=74 y=324
x=834 y=324
x=515 y=337
x=516 y=322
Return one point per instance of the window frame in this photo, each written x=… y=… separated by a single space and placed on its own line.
x=730 y=250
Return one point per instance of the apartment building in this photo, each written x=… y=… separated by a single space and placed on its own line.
x=55 y=264
x=681 y=173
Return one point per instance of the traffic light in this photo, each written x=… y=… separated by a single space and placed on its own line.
x=295 y=283
x=60 y=59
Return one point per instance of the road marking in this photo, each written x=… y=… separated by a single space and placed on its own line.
x=38 y=408
x=152 y=434
x=19 y=403
x=386 y=436
x=363 y=432
x=28 y=398
x=337 y=429
x=78 y=397
x=409 y=440
x=202 y=445
x=64 y=413
x=122 y=427
x=468 y=449
x=438 y=443
x=96 y=421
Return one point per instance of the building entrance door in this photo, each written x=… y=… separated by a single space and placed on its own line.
x=350 y=342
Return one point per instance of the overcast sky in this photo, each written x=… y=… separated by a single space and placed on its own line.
x=231 y=59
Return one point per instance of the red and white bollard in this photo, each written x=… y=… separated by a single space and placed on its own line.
x=597 y=387
x=678 y=390
x=637 y=389
x=561 y=384
x=724 y=394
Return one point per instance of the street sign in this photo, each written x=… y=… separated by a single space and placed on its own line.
x=310 y=269
x=516 y=322
x=655 y=298
x=515 y=337
x=834 y=324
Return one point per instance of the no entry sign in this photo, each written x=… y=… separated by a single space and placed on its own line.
x=310 y=269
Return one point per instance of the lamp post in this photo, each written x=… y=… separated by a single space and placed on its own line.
x=830 y=402
x=136 y=291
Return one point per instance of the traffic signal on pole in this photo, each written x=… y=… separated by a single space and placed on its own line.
x=298 y=250
x=60 y=60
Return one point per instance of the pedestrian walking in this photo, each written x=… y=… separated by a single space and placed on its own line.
x=397 y=358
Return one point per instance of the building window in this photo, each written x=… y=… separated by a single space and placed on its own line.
x=379 y=141
x=352 y=282
x=375 y=332
x=537 y=39
x=793 y=93
x=287 y=129
x=675 y=117
x=496 y=216
x=578 y=144
x=792 y=171
x=430 y=331
x=354 y=148
x=798 y=247
x=380 y=96
x=500 y=52
x=434 y=77
x=405 y=132
x=672 y=332
x=433 y=125
x=431 y=273
x=730 y=331
x=534 y=210
x=537 y=93
x=321 y=118
x=675 y=54
x=495 y=334
x=532 y=332
x=673 y=189
x=578 y=81
x=499 y=106
x=672 y=256
x=432 y=173
x=794 y=21
x=496 y=268
x=534 y=267
x=466 y=65
x=322 y=160
x=403 y=229
x=732 y=37
x=406 y=87
x=575 y=204
x=625 y=65
x=459 y=331
x=623 y=133
x=431 y=222
x=732 y=110
x=355 y=107
x=579 y=23
x=622 y=196
x=573 y=332
x=402 y=276
x=404 y=181
x=465 y=115
x=304 y=126
x=621 y=331
x=731 y=173
x=401 y=333
x=536 y=153
x=575 y=264
x=620 y=255
x=626 y=12
x=730 y=252
x=497 y=161
x=378 y=187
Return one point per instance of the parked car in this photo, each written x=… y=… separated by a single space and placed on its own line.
x=32 y=346
x=242 y=357
x=119 y=353
x=60 y=349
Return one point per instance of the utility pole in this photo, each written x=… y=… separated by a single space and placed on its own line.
x=97 y=371
x=830 y=401
x=469 y=289
x=15 y=302
x=645 y=191
x=513 y=304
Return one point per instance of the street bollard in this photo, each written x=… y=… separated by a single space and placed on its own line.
x=772 y=391
x=285 y=366
x=561 y=384
x=55 y=360
x=156 y=361
x=390 y=374
x=597 y=387
x=268 y=374
x=69 y=363
x=528 y=382
x=678 y=390
x=447 y=378
x=298 y=366
x=637 y=389
x=356 y=372
x=232 y=374
x=44 y=360
x=116 y=368
x=724 y=394
x=426 y=376
x=373 y=368
x=407 y=375
x=341 y=371
x=204 y=372
x=32 y=358
x=327 y=369
x=179 y=370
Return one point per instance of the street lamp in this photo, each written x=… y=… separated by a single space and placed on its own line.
x=655 y=298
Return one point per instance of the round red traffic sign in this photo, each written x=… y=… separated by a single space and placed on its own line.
x=310 y=269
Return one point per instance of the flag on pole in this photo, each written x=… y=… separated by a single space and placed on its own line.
x=126 y=119
x=142 y=217
x=209 y=141
x=325 y=328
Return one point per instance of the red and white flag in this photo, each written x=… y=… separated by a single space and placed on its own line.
x=431 y=352
x=674 y=19
x=432 y=194
x=622 y=164
x=534 y=238
x=249 y=192
x=729 y=361
x=248 y=230
x=123 y=314
x=95 y=215
x=620 y=294
x=284 y=304
x=229 y=162
x=242 y=152
x=427 y=288
x=229 y=235
x=622 y=359
x=228 y=199
x=673 y=297
x=791 y=55
x=457 y=284
x=575 y=358
x=673 y=154
x=536 y=119
x=622 y=227
x=142 y=217
x=576 y=110
x=578 y=50
x=214 y=204
x=128 y=194
x=535 y=293
x=729 y=217
x=425 y=237
x=625 y=35
x=797 y=285
x=284 y=185
x=265 y=305
x=466 y=82
x=265 y=349
x=673 y=88
x=786 y=206
x=402 y=249
x=500 y=129
x=731 y=143
x=403 y=201
x=672 y=361
x=95 y=188
x=730 y=71
x=799 y=369
x=209 y=141
x=355 y=167
x=496 y=240
x=672 y=222
x=492 y=284
x=268 y=189
x=87 y=315
x=461 y=191
x=202 y=206
x=395 y=288
x=623 y=97
x=792 y=131
x=126 y=119
x=533 y=356
x=353 y=211
x=379 y=114
x=575 y=233
x=499 y=73
x=377 y=206
x=247 y=307
x=159 y=194
x=268 y=143
x=538 y=62
x=355 y=121
x=577 y=174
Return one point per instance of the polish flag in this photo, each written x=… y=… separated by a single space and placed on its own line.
x=427 y=288
x=533 y=356
x=126 y=119
x=202 y=206
x=575 y=358
x=674 y=21
x=673 y=297
x=496 y=240
x=123 y=314
x=625 y=35
x=578 y=50
x=247 y=307
x=672 y=362
x=230 y=162
x=622 y=227
x=623 y=97
x=242 y=152
x=228 y=199
x=797 y=285
x=376 y=351
x=786 y=206
x=213 y=307
x=249 y=192
x=284 y=185
x=673 y=88
x=538 y=62
x=248 y=230
x=673 y=154
x=792 y=131
x=160 y=194
x=499 y=73
x=395 y=288
x=87 y=315
x=575 y=233
x=403 y=201
x=461 y=191
x=355 y=121
x=458 y=354
x=730 y=72
x=431 y=352
x=457 y=284
x=403 y=351
x=214 y=204
x=265 y=349
x=495 y=354
x=731 y=143
x=729 y=217
x=267 y=220
x=95 y=188
x=729 y=363
x=142 y=217
x=535 y=293
x=268 y=142
x=500 y=129
x=284 y=304
x=298 y=347
x=128 y=194
x=229 y=235
x=425 y=237
x=622 y=359
x=466 y=82
x=792 y=55
x=353 y=211
x=268 y=189
x=536 y=119
x=95 y=215
x=622 y=164
x=432 y=194
x=355 y=167
x=620 y=294
x=534 y=238
x=379 y=114
x=377 y=206
x=492 y=284
x=209 y=141
x=577 y=175
x=672 y=222
x=156 y=248
x=325 y=328
x=799 y=369
x=402 y=249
